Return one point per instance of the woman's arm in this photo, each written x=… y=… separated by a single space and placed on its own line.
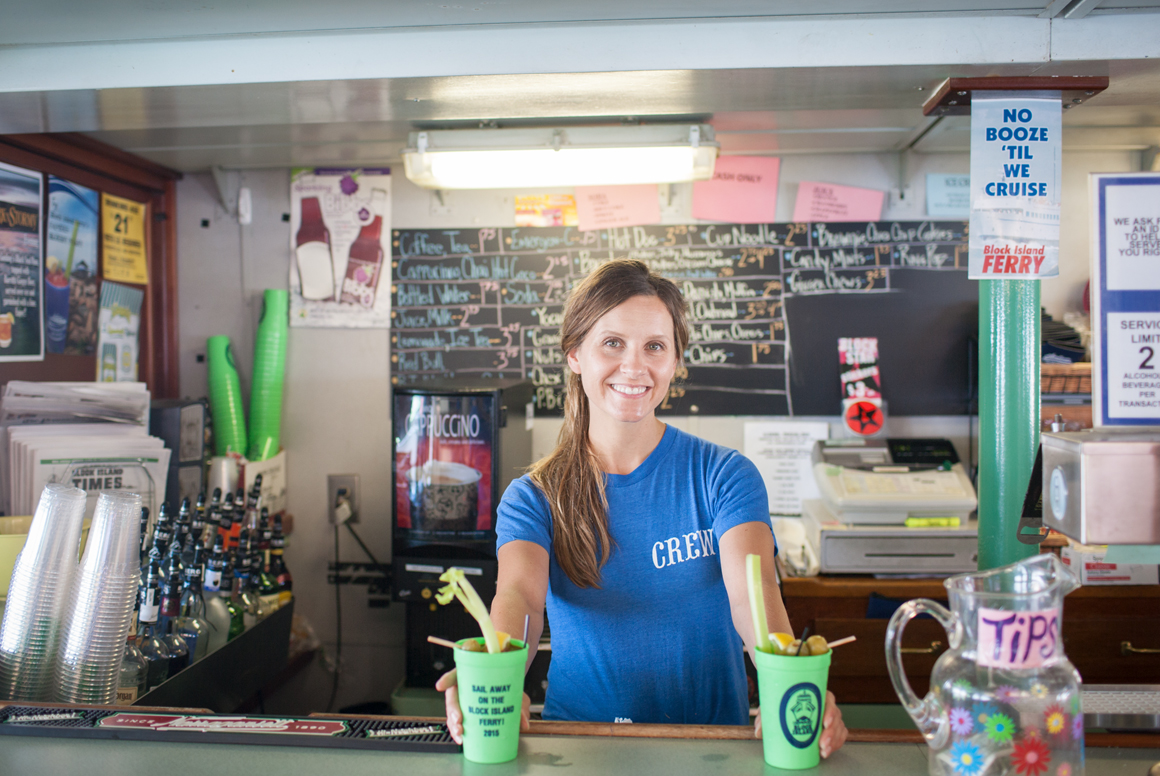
x=736 y=543
x=521 y=588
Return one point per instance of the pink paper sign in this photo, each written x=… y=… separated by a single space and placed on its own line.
x=743 y=190
x=604 y=207
x=1026 y=639
x=830 y=202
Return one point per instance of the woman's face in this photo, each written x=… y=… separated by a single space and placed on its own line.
x=627 y=360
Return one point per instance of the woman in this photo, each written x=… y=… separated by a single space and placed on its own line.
x=635 y=533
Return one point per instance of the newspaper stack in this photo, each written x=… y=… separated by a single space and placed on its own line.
x=92 y=436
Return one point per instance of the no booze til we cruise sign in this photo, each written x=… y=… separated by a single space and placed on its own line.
x=1016 y=165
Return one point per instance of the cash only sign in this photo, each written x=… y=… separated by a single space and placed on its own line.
x=1016 y=166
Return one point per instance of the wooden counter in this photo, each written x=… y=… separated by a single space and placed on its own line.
x=1097 y=622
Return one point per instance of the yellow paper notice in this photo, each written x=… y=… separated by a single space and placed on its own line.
x=123 y=239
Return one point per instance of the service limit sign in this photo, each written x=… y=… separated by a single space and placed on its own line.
x=1126 y=299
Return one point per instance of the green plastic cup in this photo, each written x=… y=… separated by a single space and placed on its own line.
x=225 y=398
x=491 y=694
x=792 y=691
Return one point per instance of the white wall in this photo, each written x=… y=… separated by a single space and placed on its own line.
x=336 y=415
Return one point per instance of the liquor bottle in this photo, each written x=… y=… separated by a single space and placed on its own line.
x=198 y=525
x=191 y=623
x=213 y=521
x=278 y=568
x=265 y=534
x=179 y=655
x=132 y=676
x=144 y=534
x=239 y=515
x=153 y=649
x=163 y=529
x=366 y=257
x=262 y=604
x=226 y=526
x=245 y=597
x=254 y=504
x=187 y=551
x=217 y=612
x=236 y=610
x=313 y=253
x=184 y=523
x=173 y=562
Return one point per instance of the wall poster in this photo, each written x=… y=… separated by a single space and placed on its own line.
x=70 y=268
x=21 y=267
x=340 y=228
x=123 y=238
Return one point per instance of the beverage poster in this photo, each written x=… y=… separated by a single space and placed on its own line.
x=119 y=320
x=340 y=230
x=21 y=270
x=443 y=471
x=70 y=268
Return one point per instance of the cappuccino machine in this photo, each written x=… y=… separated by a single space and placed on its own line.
x=455 y=446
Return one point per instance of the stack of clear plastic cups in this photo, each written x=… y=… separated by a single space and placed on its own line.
x=38 y=595
x=100 y=610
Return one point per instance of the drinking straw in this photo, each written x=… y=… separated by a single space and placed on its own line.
x=527 y=620
x=840 y=642
x=802 y=643
x=225 y=397
x=442 y=642
x=72 y=247
x=757 y=602
x=269 y=371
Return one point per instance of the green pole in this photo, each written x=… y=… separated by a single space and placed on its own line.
x=1009 y=355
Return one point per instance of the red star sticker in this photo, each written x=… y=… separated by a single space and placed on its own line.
x=864 y=418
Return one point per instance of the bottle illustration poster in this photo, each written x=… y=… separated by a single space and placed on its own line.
x=70 y=268
x=443 y=470
x=21 y=269
x=340 y=226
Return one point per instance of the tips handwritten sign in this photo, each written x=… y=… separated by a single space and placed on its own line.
x=830 y=202
x=604 y=207
x=743 y=191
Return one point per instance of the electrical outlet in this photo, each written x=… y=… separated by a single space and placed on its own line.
x=342 y=486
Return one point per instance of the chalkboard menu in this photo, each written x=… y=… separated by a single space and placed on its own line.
x=767 y=301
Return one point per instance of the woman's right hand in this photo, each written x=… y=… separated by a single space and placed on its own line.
x=448 y=686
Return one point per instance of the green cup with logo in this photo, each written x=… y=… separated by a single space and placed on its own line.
x=792 y=691
x=491 y=695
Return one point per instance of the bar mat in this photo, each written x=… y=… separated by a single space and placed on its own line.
x=333 y=732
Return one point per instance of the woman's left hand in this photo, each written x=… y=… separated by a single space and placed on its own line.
x=833 y=728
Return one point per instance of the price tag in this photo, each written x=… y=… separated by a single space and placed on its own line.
x=123 y=240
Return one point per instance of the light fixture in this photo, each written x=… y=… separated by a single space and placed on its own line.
x=560 y=156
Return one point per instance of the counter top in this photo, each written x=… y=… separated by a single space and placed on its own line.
x=611 y=749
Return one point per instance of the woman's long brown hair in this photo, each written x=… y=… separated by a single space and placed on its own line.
x=571 y=477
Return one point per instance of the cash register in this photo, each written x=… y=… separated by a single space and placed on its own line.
x=891 y=506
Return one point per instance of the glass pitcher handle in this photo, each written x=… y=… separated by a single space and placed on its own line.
x=928 y=714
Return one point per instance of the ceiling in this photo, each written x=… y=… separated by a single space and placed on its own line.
x=859 y=88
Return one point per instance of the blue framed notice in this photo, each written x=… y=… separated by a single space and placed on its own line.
x=1126 y=299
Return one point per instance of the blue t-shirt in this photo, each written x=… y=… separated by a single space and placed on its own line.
x=656 y=642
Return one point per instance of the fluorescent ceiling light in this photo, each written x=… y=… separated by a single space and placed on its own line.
x=560 y=156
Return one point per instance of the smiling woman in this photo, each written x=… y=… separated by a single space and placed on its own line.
x=634 y=534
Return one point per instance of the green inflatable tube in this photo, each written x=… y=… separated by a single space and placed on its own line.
x=225 y=398
x=269 y=371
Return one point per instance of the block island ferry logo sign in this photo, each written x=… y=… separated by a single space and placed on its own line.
x=801 y=714
x=1016 y=165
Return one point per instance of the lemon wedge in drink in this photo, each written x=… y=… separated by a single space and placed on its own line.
x=781 y=641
